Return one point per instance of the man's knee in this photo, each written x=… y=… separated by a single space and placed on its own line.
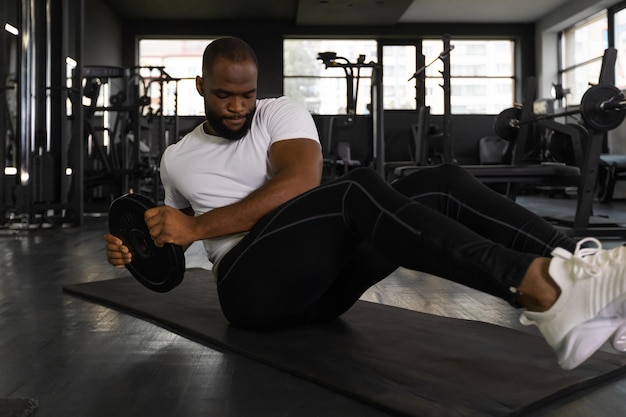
x=440 y=177
x=447 y=172
x=365 y=176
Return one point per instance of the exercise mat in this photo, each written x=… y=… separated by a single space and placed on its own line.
x=17 y=407
x=400 y=361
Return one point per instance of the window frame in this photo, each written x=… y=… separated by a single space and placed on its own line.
x=574 y=92
x=421 y=97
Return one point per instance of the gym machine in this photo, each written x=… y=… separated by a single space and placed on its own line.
x=72 y=137
x=331 y=60
x=444 y=56
x=602 y=108
x=39 y=161
x=127 y=126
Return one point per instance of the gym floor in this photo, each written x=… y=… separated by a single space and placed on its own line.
x=77 y=358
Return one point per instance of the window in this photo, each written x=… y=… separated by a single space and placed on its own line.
x=482 y=76
x=325 y=91
x=398 y=67
x=620 y=44
x=180 y=59
x=582 y=48
x=482 y=79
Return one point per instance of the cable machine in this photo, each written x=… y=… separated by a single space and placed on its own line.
x=73 y=137
x=331 y=60
x=41 y=170
x=126 y=129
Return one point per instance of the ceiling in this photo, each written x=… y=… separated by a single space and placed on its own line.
x=341 y=12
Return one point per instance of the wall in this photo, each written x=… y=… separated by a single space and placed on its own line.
x=547 y=37
x=102 y=36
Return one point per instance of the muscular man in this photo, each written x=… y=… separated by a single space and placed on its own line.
x=288 y=251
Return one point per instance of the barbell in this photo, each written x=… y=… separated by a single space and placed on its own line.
x=602 y=107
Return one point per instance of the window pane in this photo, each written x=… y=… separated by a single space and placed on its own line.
x=324 y=90
x=431 y=50
x=585 y=41
x=471 y=95
x=578 y=79
x=482 y=76
x=398 y=67
x=582 y=48
x=481 y=95
x=333 y=100
x=620 y=44
x=181 y=59
x=300 y=55
x=482 y=58
x=306 y=91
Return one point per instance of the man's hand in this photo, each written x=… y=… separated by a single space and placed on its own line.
x=118 y=254
x=169 y=225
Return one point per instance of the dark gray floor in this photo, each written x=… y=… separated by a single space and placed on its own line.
x=81 y=359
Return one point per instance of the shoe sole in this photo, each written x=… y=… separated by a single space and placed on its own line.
x=619 y=338
x=585 y=339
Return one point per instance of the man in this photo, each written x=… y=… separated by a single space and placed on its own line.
x=288 y=251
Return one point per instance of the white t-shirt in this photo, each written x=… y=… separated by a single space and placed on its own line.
x=204 y=172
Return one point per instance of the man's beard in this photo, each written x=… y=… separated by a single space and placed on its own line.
x=215 y=121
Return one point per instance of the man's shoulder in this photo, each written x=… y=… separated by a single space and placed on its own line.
x=184 y=140
x=283 y=106
x=275 y=102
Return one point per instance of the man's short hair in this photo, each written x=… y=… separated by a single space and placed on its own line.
x=230 y=48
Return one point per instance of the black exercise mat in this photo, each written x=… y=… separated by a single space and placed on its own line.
x=17 y=407
x=404 y=362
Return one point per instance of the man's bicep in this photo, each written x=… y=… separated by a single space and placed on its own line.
x=298 y=157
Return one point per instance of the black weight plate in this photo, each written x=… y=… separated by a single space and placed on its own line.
x=504 y=123
x=593 y=115
x=159 y=268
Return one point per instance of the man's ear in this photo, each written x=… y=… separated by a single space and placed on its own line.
x=199 y=83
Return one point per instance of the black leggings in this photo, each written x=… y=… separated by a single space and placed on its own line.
x=310 y=259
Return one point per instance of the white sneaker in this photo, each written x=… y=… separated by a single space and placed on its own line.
x=597 y=256
x=619 y=339
x=592 y=304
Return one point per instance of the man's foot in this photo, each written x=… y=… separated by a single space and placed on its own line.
x=592 y=304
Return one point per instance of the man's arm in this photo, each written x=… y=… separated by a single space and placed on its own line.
x=296 y=167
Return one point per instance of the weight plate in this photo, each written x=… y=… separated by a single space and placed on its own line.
x=158 y=268
x=505 y=123
x=593 y=115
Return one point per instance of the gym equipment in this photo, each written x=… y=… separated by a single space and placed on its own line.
x=612 y=168
x=158 y=268
x=434 y=366
x=331 y=60
x=602 y=107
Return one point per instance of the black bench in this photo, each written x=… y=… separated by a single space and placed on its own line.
x=612 y=169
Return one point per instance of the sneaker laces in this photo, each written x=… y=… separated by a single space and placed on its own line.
x=586 y=268
x=592 y=262
x=599 y=256
x=582 y=252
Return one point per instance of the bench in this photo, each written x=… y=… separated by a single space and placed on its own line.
x=612 y=169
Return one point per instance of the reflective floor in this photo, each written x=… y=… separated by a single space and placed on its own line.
x=81 y=359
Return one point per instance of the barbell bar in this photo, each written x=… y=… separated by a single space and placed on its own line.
x=602 y=108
